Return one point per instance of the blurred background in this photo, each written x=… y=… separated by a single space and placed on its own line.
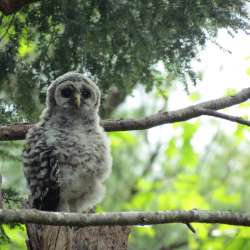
x=146 y=56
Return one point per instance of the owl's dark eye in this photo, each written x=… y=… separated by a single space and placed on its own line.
x=86 y=93
x=67 y=92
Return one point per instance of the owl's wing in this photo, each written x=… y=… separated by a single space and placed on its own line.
x=41 y=168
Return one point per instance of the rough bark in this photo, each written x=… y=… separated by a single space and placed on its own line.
x=73 y=238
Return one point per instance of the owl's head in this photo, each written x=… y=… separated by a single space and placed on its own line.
x=73 y=91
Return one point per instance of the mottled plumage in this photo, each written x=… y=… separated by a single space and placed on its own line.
x=66 y=157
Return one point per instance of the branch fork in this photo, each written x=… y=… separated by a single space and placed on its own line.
x=18 y=131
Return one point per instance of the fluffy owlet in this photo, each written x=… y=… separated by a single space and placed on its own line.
x=66 y=157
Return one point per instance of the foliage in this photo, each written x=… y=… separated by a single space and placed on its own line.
x=12 y=235
x=118 y=42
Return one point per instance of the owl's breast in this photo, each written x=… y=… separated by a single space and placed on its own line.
x=82 y=162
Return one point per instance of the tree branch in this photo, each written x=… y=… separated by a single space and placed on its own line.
x=122 y=218
x=224 y=116
x=9 y=7
x=18 y=131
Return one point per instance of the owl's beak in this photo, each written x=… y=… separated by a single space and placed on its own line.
x=77 y=100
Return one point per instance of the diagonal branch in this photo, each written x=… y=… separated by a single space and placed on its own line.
x=224 y=116
x=123 y=218
x=18 y=131
x=177 y=115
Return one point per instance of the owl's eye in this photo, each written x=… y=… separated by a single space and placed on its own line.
x=67 y=92
x=86 y=93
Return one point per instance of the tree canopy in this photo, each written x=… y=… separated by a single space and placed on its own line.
x=118 y=44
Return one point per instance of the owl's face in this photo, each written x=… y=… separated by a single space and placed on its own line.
x=74 y=92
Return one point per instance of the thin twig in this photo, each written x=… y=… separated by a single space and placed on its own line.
x=191 y=228
x=175 y=245
x=231 y=118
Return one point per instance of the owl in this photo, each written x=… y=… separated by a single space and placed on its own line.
x=66 y=157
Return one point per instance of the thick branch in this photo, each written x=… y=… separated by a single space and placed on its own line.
x=18 y=131
x=123 y=218
x=12 y=6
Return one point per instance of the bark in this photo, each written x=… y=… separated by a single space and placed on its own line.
x=18 y=131
x=73 y=238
